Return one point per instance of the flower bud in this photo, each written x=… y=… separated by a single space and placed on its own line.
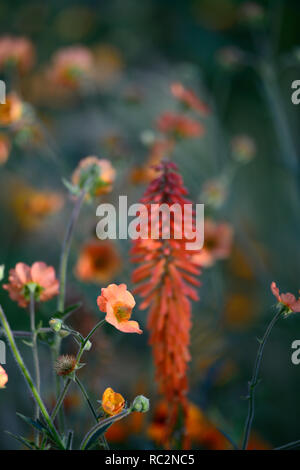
x=140 y=404
x=55 y=324
x=63 y=333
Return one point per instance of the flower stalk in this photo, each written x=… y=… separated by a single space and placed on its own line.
x=36 y=395
x=254 y=380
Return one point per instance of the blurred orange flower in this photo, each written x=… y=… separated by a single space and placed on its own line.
x=31 y=206
x=179 y=126
x=199 y=430
x=20 y=278
x=159 y=149
x=3 y=377
x=117 y=302
x=288 y=300
x=5 y=146
x=11 y=111
x=17 y=51
x=98 y=261
x=217 y=243
x=70 y=65
x=240 y=311
x=188 y=98
x=243 y=148
x=100 y=171
x=112 y=402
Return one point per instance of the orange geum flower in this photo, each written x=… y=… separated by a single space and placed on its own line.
x=98 y=172
x=118 y=303
x=17 y=51
x=11 y=110
x=98 y=261
x=4 y=148
x=70 y=65
x=3 y=377
x=112 y=402
x=179 y=126
x=288 y=301
x=31 y=206
x=217 y=243
x=22 y=277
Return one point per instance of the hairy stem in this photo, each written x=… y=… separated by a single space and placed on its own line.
x=69 y=381
x=35 y=358
x=28 y=379
x=103 y=441
x=254 y=380
x=62 y=283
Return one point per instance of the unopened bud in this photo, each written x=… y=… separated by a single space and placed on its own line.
x=55 y=324
x=140 y=404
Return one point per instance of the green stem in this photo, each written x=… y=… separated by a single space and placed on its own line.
x=290 y=445
x=84 y=392
x=62 y=283
x=35 y=358
x=19 y=360
x=66 y=250
x=69 y=381
x=253 y=382
x=60 y=399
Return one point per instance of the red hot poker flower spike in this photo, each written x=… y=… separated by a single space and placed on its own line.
x=166 y=278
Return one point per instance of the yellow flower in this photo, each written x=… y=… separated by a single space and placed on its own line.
x=112 y=402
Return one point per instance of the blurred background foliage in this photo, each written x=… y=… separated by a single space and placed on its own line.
x=243 y=67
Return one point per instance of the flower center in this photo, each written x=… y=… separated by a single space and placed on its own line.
x=122 y=312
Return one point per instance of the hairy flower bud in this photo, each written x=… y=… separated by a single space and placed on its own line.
x=140 y=404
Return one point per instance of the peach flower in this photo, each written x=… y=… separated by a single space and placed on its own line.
x=117 y=302
x=188 y=98
x=99 y=170
x=5 y=146
x=11 y=111
x=179 y=126
x=288 y=300
x=98 y=261
x=112 y=402
x=3 y=377
x=217 y=243
x=22 y=276
x=70 y=65
x=18 y=51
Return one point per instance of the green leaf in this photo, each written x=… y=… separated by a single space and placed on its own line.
x=67 y=312
x=100 y=428
x=29 y=444
x=69 y=440
x=35 y=424
x=75 y=190
x=28 y=343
